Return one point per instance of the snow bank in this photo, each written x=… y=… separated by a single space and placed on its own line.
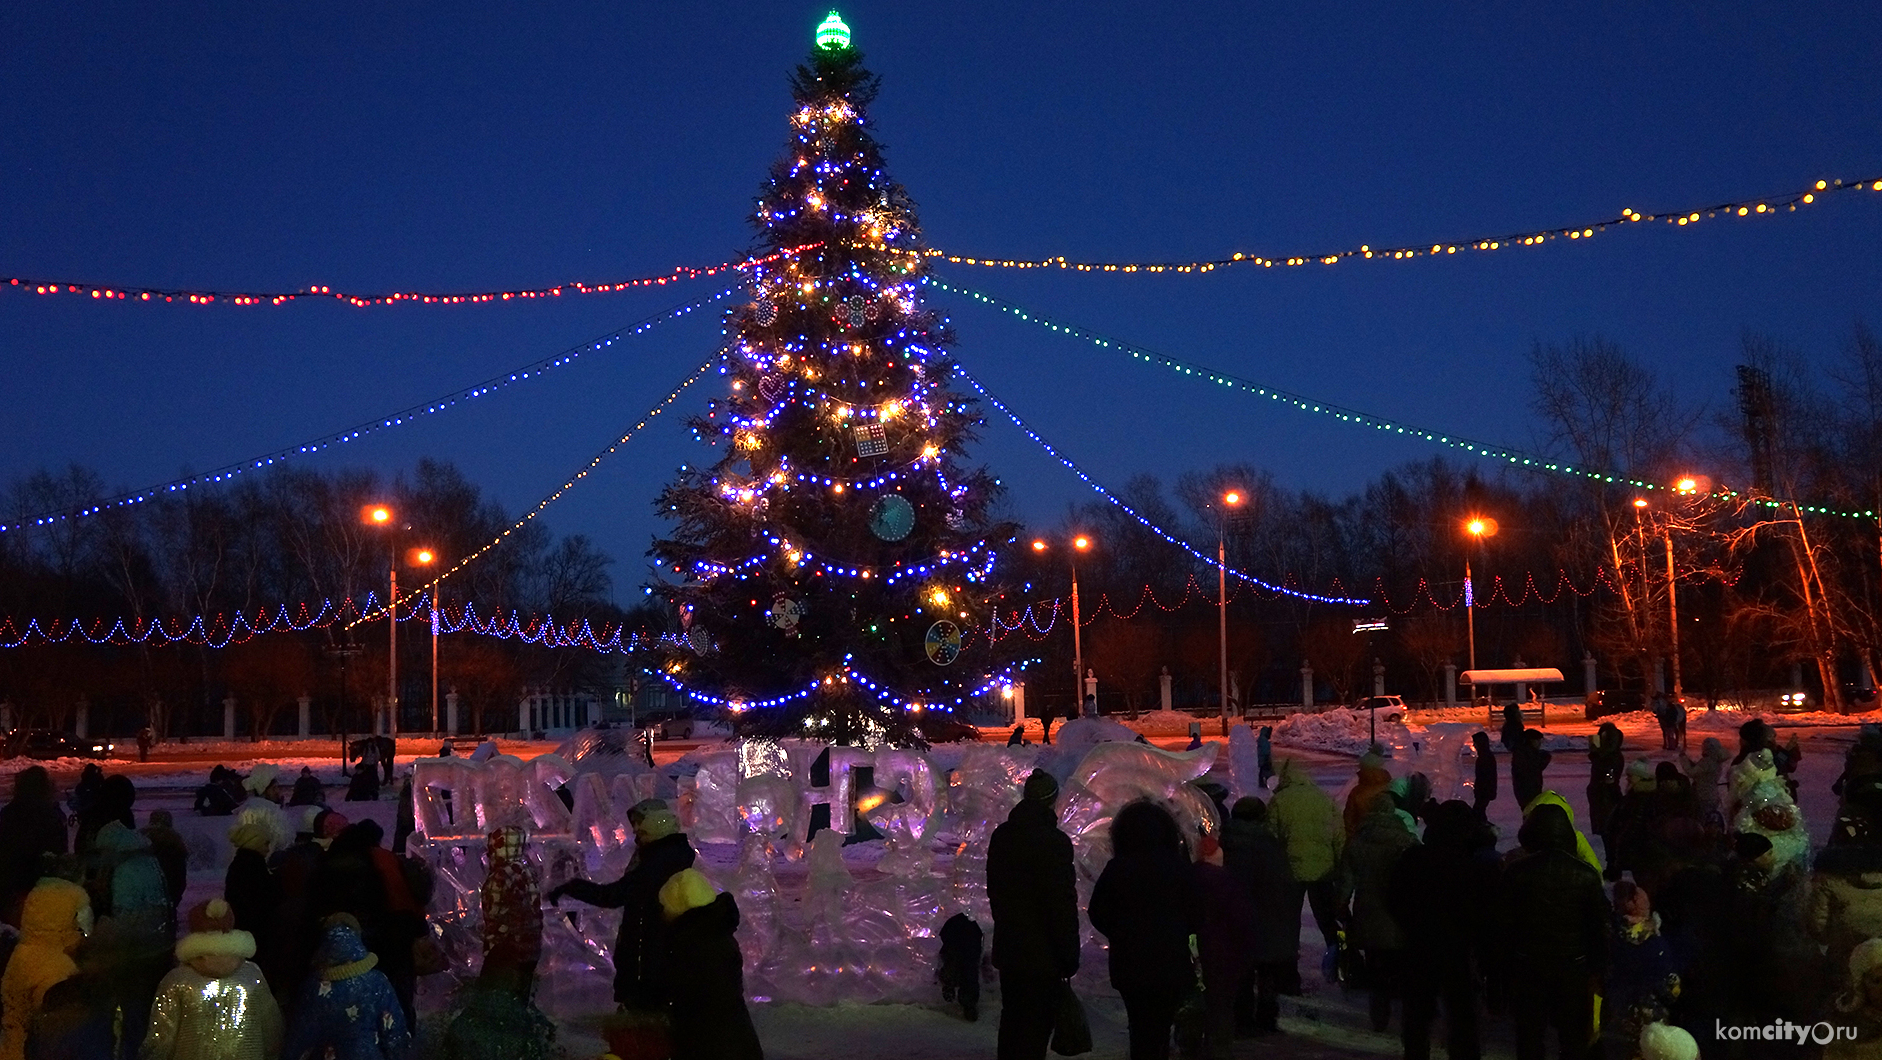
x=1341 y=730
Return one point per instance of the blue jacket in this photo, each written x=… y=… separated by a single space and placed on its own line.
x=347 y=1006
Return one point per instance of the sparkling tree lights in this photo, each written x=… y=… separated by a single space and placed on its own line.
x=833 y=571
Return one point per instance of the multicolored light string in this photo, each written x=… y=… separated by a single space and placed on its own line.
x=1383 y=424
x=132 y=293
x=1133 y=513
x=1754 y=207
x=533 y=370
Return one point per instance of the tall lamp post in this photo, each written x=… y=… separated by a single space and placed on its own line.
x=380 y=515
x=424 y=557
x=1230 y=501
x=1478 y=527
x=1079 y=543
x=1687 y=487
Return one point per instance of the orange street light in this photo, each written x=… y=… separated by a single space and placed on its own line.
x=1081 y=543
x=1232 y=498
x=375 y=515
x=1640 y=502
x=1478 y=527
x=1038 y=546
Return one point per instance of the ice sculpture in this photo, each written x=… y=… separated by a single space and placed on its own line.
x=838 y=794
x=1112 y=775
x=902 y=808
x=982 y=791
x=1440 y=757
x=767 y=810
x=708 y=800
x=1244 y=762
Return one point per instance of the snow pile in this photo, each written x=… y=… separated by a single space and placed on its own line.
x=1729 y=720
x=1341 y=730
x=1165 y=723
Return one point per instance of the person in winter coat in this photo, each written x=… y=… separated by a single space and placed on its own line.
x=1511 y=735
x=1773 y=968
x=1264 y=756
x=1583 y=849
x=959 y=970
x=249 y=886
x=32 y=827
x=53 y=921
x=1606 y=760
x=346 y=1009
x=293 y=933
x=172 y=854
x=512 y=908
x=1145 y=905
x=710 y=1021
x=221 y=795
x=361 y=878
x=215 y=1005
x=84 y=803
x=1483 y=789
x=136 y=923
x=81 y=1019
x=1226 y=938
x=1256 y=860
x=1366 y=867
x=1309 y=825
x=1436 y=894
x=1555 y=922
x=1642 y=976
x=1527 y=763
x=660 y=850
x=1373 y=779
x=1032 y=891
x=1704 y=773
x=308 y=790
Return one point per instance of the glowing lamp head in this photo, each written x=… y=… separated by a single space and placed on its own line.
x=1232 y=498
x=1687 y=484
x=420 y=557
x=1038 y=546
x=1480 y=526
x=1640 y=502
x=833 y=34
x=376 y=514
x=1081 y=543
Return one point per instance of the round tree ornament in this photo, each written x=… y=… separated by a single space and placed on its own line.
x=892 y=518
x=786 y=612
x=765 y=312
x=833 y=34
x=943 y=643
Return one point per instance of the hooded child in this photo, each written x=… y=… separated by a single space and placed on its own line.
x=346 y=1009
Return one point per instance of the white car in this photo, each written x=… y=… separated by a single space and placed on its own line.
x=1394 y=706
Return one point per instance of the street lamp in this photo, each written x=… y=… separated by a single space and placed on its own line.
x=381 y=515
x=424 y=557
x=1079 y=543
x=1478 y=527
x=1231 y=500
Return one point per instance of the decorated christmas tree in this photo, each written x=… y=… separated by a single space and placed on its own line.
x=833 y=570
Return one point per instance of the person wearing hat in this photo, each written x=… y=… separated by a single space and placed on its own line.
x=172 y=854
x=291 y=934
x=1555 y=921
x=214 y=1005
x=346 y=1010
x=706 y=972
x=264 y=782
x=660 y=850
x=252 y=891
x=512 y=907
x=1226 y=940
x=308 y=790
x=55 y=919
x=1033 y=892
x=1256 y=859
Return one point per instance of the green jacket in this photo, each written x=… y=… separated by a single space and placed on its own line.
x=1308 y=822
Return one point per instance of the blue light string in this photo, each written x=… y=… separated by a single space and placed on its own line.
x=739 y=705
x=396 y=419
x=1133 y=513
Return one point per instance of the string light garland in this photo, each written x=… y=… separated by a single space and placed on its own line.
x=1133 y=513
x=846 y=675
x=132 y=293
x=593 y=463
x=1753 y=207
x=1383 y=424
x=533 y=370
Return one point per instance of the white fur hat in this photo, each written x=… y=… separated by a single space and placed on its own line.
x=1662 y=1041
x=213 y=934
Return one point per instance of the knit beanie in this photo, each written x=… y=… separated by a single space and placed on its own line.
x=1661 y=1041
x=656 y=824
x=642 y=809
x=1040 y=786
x=341 y=953
x=212 y=933
x=686 y=890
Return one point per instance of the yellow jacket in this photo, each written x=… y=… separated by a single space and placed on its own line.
x=56 y=916
x=1582 y=845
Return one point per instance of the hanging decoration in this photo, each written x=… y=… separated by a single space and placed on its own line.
x=943 y=643
x=870 y=441
x=1515 y=457
x=892 y=518
x=765 y=312
x=1754 y=207
x=786 y=612
x=135 y=293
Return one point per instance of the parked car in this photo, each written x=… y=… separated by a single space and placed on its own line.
x=47 y=744
x=1604 y=701
x=1394 y=706
x=942 y=728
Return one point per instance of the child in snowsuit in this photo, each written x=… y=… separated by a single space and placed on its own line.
x=347 y=1010
x=214 y=1005
x=707 y=972
x=54 y=920
x=1642 y=979
x=960 y=964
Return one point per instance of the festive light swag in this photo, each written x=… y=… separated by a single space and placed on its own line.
x=814 y=559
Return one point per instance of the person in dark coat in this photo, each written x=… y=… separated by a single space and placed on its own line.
x=1366 y=865
x=1511 y=734
x=172 y=854
x=706 y=972
x=308 y=790
x=361 y=878
x=294 y=932
x=1642 y=977
x=32 y=828
x=1555 y=920
x=219 y=797
x=249 y=887
x=660 y=850
x=1484 y=786
x=110 y=800
x=1527 y=763
x=1436 y=894
x=1145 y=905
x=1256 y=859
x=1033 y=892
x=1264 y=756
x=1606 y=761
x=959 y=971
x=1225 y=944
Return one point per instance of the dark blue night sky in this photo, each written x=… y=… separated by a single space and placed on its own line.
x=474 y=146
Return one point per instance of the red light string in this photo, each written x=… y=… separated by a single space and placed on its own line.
x=132 y=293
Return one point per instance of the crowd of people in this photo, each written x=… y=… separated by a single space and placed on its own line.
x=1702 y=908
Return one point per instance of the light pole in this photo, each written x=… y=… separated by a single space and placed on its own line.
x=1478 y=527
x=380 y=515
x=424 y=557
x=1686 y=487
x=1230 y=500
x=1080 y=543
